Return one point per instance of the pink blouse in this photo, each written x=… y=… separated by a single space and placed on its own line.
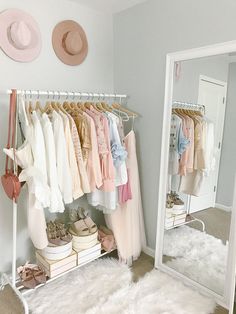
x=93 y=165
x=103 y=138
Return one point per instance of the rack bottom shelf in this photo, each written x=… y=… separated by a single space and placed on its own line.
x=25 y=291
x=189 y=219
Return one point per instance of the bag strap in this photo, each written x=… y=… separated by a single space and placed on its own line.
x=11 y=130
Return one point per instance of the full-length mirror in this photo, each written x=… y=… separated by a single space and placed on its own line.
x=201 y=170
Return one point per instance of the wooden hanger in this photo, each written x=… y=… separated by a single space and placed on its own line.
x=30 y=107
x=48 y=108
x=66 y=106
x=38 y=106
x=81 y=106
x=87 y=105
x=129 y=112
x=106 y=107
x=74 y=107
x=60 y=106
x=99 y=107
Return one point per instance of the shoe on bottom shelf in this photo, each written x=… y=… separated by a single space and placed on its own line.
x=31 y=275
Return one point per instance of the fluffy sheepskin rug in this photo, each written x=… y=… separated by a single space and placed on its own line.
x=156 y=293
x=104 y=287
x=197 y=255
x=81 y=289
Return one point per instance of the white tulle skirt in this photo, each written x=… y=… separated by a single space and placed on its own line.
x=127 y=221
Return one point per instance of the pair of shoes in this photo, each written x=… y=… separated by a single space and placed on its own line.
x=169 y=202
x=31 y=275
x=57 y=233
x=106 y=237
x=174 y=202
x=82 y=224
x=178 y=203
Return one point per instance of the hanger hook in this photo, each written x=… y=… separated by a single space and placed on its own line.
x=38 y=95
x=31 y=94
x=67 y=95
x=59 y=95
x=48 y=94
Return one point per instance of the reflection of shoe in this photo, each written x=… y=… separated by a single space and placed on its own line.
x=178 y=203
x=169 y=202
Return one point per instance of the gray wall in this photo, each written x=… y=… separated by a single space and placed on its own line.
x=143 y=35
x=186 y=87
x=228 y=155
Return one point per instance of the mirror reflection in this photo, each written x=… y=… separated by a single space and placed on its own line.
x=202 y=154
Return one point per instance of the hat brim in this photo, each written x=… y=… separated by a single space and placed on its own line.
x=22 y=55
x=57 y=38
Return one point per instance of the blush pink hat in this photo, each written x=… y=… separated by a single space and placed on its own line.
x=69 y=42
x=20 y=36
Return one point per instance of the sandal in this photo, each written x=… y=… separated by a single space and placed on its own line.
x=62 y=232
x=106 y=237
x=52 y=234
x=79 y=228
x=73 y=215
x=39 y=275
x=26 y=275
x=88 y=221
x=90 y=224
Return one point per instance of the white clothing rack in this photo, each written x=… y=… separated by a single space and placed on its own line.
x=67 y=94
x=189 y=106
x=198 y=107
x=48 y=94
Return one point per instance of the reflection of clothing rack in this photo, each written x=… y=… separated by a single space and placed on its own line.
x=202 y=109
x=189 y=106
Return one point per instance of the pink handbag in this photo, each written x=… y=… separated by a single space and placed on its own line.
x=10 y=181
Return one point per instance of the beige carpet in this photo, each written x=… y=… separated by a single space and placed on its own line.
x=9 y=302
x=217 y=222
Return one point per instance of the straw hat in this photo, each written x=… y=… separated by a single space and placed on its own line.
x=20 y=36
x=69 y=42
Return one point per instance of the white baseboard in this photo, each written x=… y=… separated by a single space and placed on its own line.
x=223 y=207
x=147 y=250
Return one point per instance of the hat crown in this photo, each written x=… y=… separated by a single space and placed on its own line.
x=20 y=34
x=73 y=43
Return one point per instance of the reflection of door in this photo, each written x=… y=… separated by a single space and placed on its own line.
x=212 y=94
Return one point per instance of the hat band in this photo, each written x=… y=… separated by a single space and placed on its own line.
x=64 y=44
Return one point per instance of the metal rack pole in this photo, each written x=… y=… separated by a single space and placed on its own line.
x=64 y=93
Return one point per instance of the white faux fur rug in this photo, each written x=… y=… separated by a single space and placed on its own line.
x=104 y=287
x=80 y=290
x=197 y=255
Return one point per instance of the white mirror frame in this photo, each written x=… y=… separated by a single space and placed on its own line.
x=207 y=51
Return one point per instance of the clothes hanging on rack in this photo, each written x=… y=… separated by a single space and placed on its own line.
x=191 y=156
x=68 y=152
